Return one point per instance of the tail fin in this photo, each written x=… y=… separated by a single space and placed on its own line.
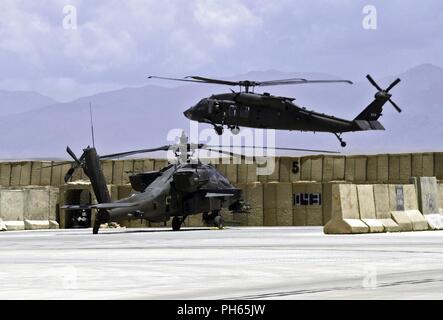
x=374 y=110
x=90 y=163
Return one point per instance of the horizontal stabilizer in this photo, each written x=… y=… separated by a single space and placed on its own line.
x=369 y=125
x=99 y=206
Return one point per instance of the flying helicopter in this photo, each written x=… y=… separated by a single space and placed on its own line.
x=180 y=189
x=263 y=110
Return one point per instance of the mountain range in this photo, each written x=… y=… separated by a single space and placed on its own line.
x=35 y=126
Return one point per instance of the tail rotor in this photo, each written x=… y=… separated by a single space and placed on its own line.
x=385 y=93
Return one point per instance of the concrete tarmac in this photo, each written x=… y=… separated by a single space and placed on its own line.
x=235 y=263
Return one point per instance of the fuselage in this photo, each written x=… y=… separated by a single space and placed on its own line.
x=264 y=111
x=163 y=199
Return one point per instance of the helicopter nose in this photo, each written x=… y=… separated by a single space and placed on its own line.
x=188 y=113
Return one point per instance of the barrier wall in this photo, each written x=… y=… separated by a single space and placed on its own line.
x=373 y=208
x=28 y=207
x=381 y=168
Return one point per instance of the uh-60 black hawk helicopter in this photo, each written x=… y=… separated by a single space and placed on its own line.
x=249 y=109
x=184 y=188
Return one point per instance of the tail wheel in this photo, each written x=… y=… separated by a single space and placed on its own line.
x=176 y=223
x=235 y=130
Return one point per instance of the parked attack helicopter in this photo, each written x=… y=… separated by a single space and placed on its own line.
x=249 y=109
x=178 y=190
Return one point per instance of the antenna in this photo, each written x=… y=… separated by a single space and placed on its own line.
x=92 y=124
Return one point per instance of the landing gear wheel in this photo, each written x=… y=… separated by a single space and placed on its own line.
x=176 y=223
x=219 y=222
x=235 y=130
x=342 y=143
x=219 y=130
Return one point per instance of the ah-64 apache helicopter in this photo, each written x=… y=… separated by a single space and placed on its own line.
x=178 y=190
x=249 y=109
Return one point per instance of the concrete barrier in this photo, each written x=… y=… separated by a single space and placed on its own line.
x=314 y=208
x=15 y=174
x=277 y=204
x=350 y=169
x=327 y=200
x=371 y=169
x=138 y=165
x=14 y=225
x=382 y=211
x=428 y=201
x=148 y=165
x=46 y=173
x=128 y=168
x=422 y=164
x=438 y=165
x=299 y=209
x=107 y=167
x=366 y=204
x=345 y=216
x=305 y=168
x=36 y=173
x=289 y=169
x=316 y=168
x=382 y=168
x=36 y=204
x=57 y=174
x=117 y=172
x=246 y=173
x=53 y=224
x=394 y=168
x=12 y=204
x=5 y=174
x=405 y=170
x=36 y=224
x=2 y=225
x=253 y=195
x=419 y=222
x=25 y=173
x=161 y=163
x=404 y=206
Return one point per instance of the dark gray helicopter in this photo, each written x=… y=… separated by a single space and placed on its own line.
x=249 y=109
x=178 y=190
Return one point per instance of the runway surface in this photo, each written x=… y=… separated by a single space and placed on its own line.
x=235 y=263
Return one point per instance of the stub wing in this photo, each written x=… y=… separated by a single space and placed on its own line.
x=216 y=195
x=99 y=206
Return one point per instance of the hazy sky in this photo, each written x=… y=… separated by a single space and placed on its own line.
x=118 y=43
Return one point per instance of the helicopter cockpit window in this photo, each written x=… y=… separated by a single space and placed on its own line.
x=218 y=179
x=201 y=106
x=210 y=106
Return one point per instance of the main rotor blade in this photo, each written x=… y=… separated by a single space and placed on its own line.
x=232 y=154
x=215 y=81
x=278 y=148
x=298 y=81
x=129 y=153
x=372 y=81
x=56 y=165
x=393 y=84
x=174 y=79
